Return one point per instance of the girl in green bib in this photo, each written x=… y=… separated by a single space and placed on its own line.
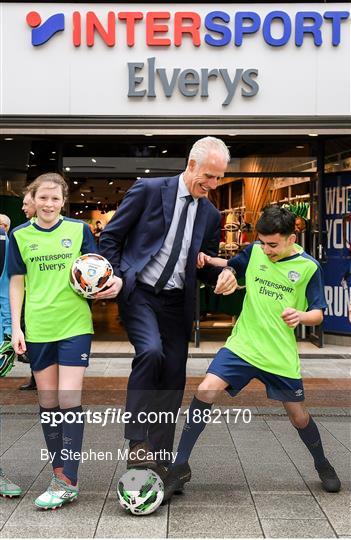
x=58 y=327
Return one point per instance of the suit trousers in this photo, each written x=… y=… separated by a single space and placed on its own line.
x=156 y=328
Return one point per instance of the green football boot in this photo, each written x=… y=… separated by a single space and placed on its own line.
x=57 y=494
x=8 y=488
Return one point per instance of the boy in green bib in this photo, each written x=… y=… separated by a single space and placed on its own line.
x=284 y=288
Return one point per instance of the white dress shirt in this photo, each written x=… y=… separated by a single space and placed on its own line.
x=152 y=271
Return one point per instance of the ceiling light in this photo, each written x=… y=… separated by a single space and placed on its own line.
x=232 y=134
x=67 y=168
x=77 y=213
x=147 y=170
x=79 y=145
x=151 y=146
x=75 y=182
x=82 y=194
x=148 y=134
x=313 y=134
x=164 y=151
x=31 y=153
x=138 y=177
x=53 y=152
x=99 y=202
x=110 y=183
x=93 y=160
x=8 y=139
x=86 y=206
x=52 y=159
x=300 y=146
x=81 y=211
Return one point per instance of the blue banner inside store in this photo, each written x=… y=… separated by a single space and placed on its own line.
x=337 y=268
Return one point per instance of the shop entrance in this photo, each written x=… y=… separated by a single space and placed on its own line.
x=285 y=169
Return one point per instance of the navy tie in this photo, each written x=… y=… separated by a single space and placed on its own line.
x=177 y=246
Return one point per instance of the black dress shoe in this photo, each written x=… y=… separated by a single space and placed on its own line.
x=30 y=385
x=162 y=471
x=329 y=478
x=141 y=457
x=176 y=478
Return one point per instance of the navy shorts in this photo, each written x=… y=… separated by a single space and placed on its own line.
x=238 y=373
x=73 y=351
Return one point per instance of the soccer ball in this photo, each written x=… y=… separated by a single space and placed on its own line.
x=7 y=356
x=90 y=274
x=140 y=491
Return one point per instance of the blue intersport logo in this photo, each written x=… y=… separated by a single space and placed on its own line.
x=42 y=32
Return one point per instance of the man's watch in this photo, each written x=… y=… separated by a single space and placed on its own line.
x=231 y=269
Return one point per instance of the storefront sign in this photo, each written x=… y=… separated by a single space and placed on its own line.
x=75 y=59
x=163 y=29
x=337 y=269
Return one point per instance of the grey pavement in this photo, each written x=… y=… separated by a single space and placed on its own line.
x=249 y=480
x=101 y=366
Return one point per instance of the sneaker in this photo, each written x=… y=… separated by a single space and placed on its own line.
x=57 y=494
x=8 y=488
x=140 y=456
x=329 y=478
x=176 y=478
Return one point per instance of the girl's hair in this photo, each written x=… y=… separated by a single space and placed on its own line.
x=55 y=178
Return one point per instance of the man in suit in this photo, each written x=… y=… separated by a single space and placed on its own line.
x=152 y=242
x=28 y=208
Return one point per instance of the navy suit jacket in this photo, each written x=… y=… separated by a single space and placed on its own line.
x=138 y=230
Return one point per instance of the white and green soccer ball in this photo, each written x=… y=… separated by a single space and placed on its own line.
x=140 y=491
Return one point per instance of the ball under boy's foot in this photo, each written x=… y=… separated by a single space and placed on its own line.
x=174 y=482
x=329 y=478
x=8 y=488
x=57 y=494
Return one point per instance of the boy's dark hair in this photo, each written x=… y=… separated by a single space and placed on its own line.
x=276 y=219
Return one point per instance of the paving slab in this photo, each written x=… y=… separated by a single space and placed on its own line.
x=287 y=506
x=337 y=508
x=213 y=522
x=300 y=456
x=297 y=528
x=212 y=468
x=13 y=428
x=341 y=431
x=80 y=518
x=115 y=522
x=266 y=464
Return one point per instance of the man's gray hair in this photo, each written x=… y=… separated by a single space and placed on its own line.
x=202 y=147
x=5 y=222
